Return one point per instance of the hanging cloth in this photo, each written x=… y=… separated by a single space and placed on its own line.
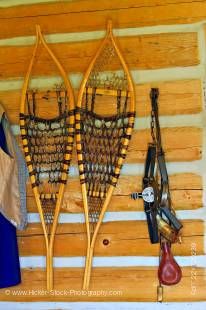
x=13 y=176
x=9 y=257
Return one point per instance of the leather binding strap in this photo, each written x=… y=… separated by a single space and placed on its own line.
x=148 y=194
x=157 y=202
x=164 y=195
x=163 y=225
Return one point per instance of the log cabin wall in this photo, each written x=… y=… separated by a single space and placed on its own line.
x=164 y=44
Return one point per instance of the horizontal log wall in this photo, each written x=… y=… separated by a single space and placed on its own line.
x=171 y=57
x=186 y=192
x=54 y=17
x=176 y=97
x=179 y=49
x=110 y=284
x=125 y=238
